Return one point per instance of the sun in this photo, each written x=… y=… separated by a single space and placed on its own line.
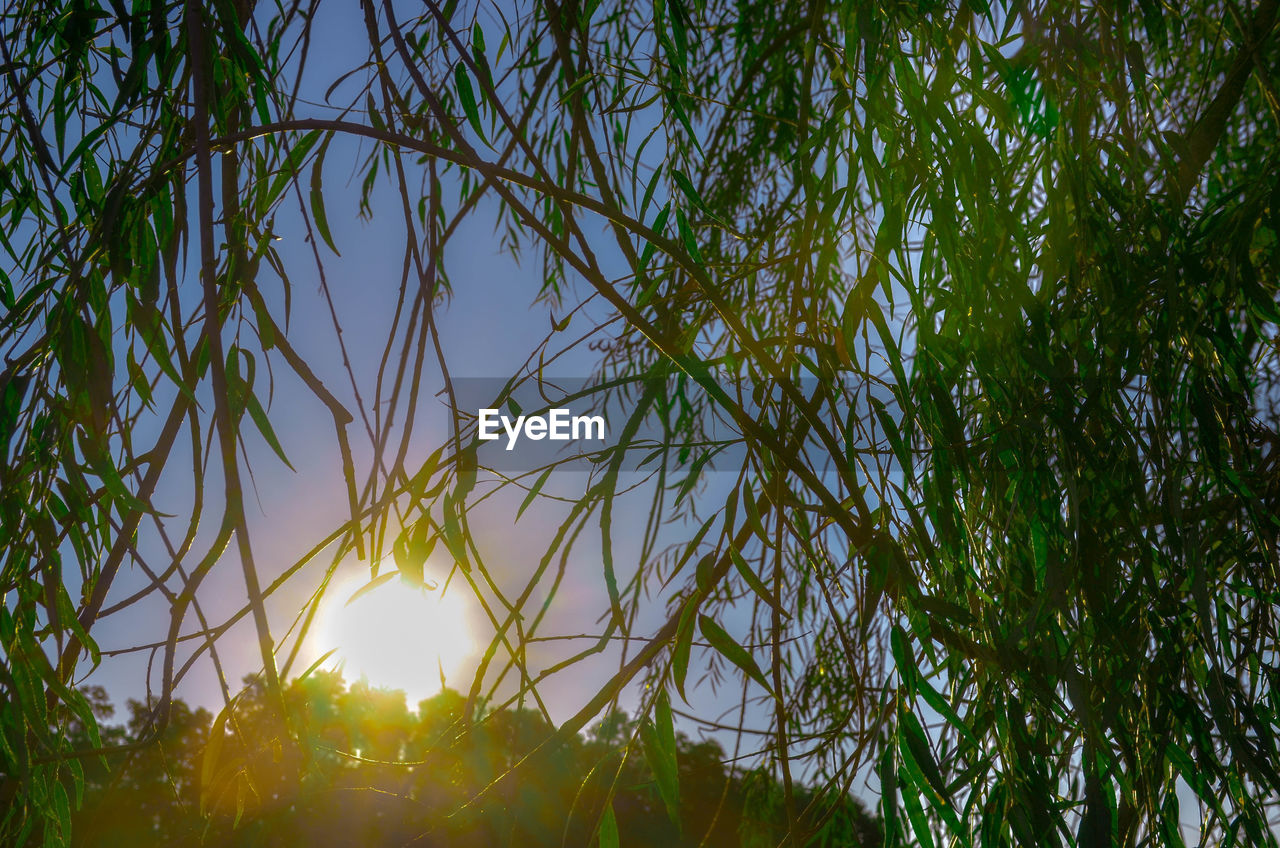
x=395 y=635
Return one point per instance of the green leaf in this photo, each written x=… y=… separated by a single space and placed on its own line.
x=317 y=197
x=454 y=539
x=408 y=563
x=889 y=233
x=649 y=189
x=468 y=97
x=673 y=103
x=608 y=831
x=689 y=239
x=682 y=645
x=288 y=170
x=903 y=657
x=731 y=650
x=646 y=253
x=263 y=424
x=935 y=700
x=578 y=84
x=922 y=769
x=914 y=746
x=62 y=808
x=686 y=185
x=380 y=580
x=466 y=471
x=533 y=491
x=266 y=326
x=757 y=586
x=888 y=774
x=104 y=466
x=418 y=485
x=919 y=822
x=212 y=753
x=893 y=434
x=311 y=669
x=659 y=740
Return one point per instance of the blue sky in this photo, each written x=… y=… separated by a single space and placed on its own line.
x=493 y=319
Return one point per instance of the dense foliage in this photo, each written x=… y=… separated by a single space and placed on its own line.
x=382 y=774
x=986 y=295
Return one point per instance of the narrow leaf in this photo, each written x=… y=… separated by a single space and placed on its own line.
x=468 y=97
x=608 y=829
x=732 y=651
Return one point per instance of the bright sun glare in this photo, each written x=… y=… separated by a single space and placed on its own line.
x=396 y=635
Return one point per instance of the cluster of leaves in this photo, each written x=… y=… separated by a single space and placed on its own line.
x=110 y=355
x=1095 y=399
x=382 y=774
x=986 y=293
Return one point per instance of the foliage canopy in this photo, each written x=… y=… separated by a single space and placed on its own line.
x=359 y=789
x=987 y=294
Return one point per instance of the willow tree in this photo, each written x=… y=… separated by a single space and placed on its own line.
x=974 y=306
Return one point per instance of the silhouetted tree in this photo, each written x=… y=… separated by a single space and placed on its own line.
x=381 y=774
